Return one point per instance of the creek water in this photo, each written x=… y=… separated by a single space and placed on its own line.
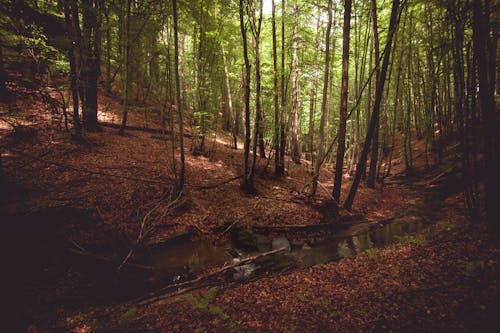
x=180 y=260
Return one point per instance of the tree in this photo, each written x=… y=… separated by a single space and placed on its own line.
x=3 y=76
x=485 y=44
x=247 y=183
x=339 y=166
x=126 y=66
x=180 y=181
x=256 y=25
x=295 y=150
x=70 y=30
x=280 y=169
x=360 y=168
x=91 y=50
x=374 y=156
x=324 y=103
x=276 y=138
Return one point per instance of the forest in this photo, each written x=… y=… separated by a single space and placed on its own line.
x=250 y=165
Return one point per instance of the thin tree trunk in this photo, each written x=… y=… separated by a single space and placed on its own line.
x=376 y=108
x=126 y=61
x=295 y=149
x=72 y=69
x=312 y=95
x=374 y=156
x=247 y=184
x=230 y=124
x=256 y=28
x=276 y=94
x=339 y=166
x=324 y=103
x=3 y=76
x=180 y=182
x=281 y=164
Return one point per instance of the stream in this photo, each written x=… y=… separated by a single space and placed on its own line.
x=181 y=260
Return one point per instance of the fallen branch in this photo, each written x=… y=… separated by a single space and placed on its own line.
x=142 y=129
x=190 y=285
x=212 y=186
x=79 y=250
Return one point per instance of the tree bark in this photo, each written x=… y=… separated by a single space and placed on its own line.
x=72 y=68
x=126 y=61
x=276 y=94
x=281 y=165
x=180 y=181
x=247 y=184
x=295 y=150
x=339 y=166
x=324 y=103
x=376 y=108
x=374 y=156
x=485 y=44
x=4 y=94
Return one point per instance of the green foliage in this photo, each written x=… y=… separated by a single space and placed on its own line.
x=371 y=253
x=126 y=319
x=410 y=240
x=203 y=303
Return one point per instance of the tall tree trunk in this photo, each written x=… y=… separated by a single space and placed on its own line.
x=247 y=184
x=108 y=50
x=312 y=95
x=295 y=149
x=276 y=94
x=339 y=166
x=485 y=44
x=180 y=181
x=281 y=164
x=91 y=18
x=256 y=27
x=376 y=108
x=126 y=61
x=229 y=116
x=3 y=76
x=374 y=156
x=324 y=103
x=72 y=68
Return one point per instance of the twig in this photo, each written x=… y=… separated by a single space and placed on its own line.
x=211 y=186
x=230 y=227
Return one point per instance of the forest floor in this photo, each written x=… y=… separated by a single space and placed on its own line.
x=59 y=197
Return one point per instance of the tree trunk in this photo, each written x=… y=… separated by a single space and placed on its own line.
x=281 y=165
x=4 y=94
x=247 y=184
x=295 y=149
x=91 y=18
x=485 y=44
x=276 y=95
x=126 y=61
x=339 y=166
x=72 y=68
x=376 y=108
x=180 y=181
x=324 y=103
x=312 y=95
x=374 y=156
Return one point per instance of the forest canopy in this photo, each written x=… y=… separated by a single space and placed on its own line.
x=337 y=83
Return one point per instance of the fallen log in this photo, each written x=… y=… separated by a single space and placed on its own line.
x=179 y=288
